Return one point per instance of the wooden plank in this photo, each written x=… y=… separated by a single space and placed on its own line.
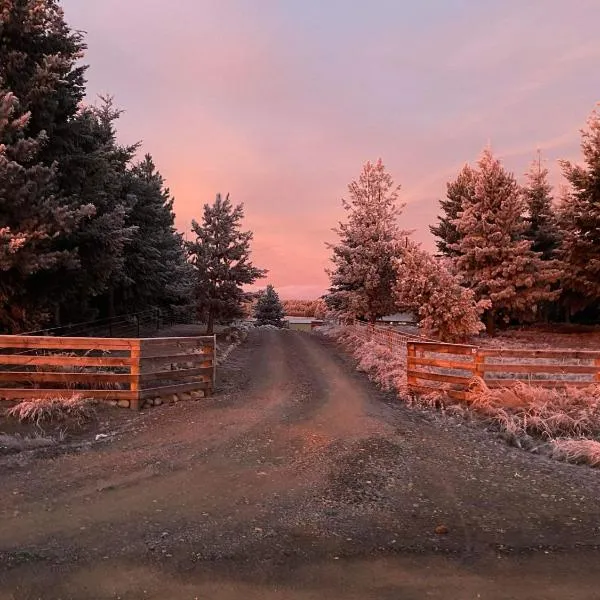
x=410 y=364
x=176 y=358
x=67 y=361
x=439 y=377
x=597 y=365
x=54 y=377
x=444 y=364
x=537 y=368
x=495 y=383
x=557 y=354
x=444 y=348
x=135 y=403
x=28 y=393
x=176 y=374
x=174 y=389
x=479 y=366
x=65 y=343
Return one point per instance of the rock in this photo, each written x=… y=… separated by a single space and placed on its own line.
x=113 y=402
x=197 y=394
x=441 y=530
x=185 y=396
x=157 y=401
x=124 y=403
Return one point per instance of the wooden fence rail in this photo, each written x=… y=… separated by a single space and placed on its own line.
x=438 y=367
x=120 y=369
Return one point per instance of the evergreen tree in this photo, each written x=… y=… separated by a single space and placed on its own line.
x=364 y=274
x=428 y=289
x=220 y=256
x=38 y=63
x=457 y=191
x=269 y=310
x=95 y=171
x=580 y=223
x=494 y=259
x=156 y=270
x=32 y=215
x=542 y=228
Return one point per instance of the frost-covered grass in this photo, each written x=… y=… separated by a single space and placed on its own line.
x=46 y=410
x=585 y=452
x=545 y=413
x=18 y=443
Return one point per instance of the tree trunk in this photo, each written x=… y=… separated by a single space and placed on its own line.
x=490 y=323
x=211 y=322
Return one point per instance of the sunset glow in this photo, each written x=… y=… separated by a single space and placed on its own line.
x=280 y=103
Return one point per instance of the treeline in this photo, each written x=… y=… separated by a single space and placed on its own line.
x=305 y=308
x=86 y=227
x=508 y=252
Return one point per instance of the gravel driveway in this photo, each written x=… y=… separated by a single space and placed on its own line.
x=298 y=479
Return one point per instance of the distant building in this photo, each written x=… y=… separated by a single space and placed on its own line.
x=302 y=323
x=403 y=318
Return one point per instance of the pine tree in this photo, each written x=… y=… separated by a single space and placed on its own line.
x=95 y=171
x=494 y=259
x=220 y=256
x=364 y=273
x=542 y=228
x=38 y=63
x=32 y=215
x=428 y=289
x=156 y=270
x=459 y=190
x=580 y=223
x=269 y=310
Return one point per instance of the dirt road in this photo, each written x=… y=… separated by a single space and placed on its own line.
x=297 y=480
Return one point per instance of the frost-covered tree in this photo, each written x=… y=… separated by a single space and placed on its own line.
x=494 y=259
x=363 y=274
x=220 y=256
x=431 y=291
x=39 y=56
x=580 y=223
x=32 y=215
x=542 y=227
x=268 y=309
x=156 y=271
x=462 y=187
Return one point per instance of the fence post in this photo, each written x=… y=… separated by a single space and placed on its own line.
x=135 y=386
x=158 y=318
x=137 y=323
x=411 y=354
x=214 y=377
x=597 y=364
x=479 y=366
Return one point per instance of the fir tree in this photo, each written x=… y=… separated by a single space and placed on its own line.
x=32 y=215
x=458 y=191
x=427 y=288
x=268 y=309
x=38 y=63
x=157 y=273
x=95 y=171
x=580 y=223
x=220 y=256
x=363 y=275
x=542 y=228
x=494 y=259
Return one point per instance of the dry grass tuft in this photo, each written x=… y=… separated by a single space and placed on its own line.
x=583 y=452
x=537 y=411
x=17 y=443
x=45 y=410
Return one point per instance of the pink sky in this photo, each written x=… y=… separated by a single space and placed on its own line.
x=280 y=102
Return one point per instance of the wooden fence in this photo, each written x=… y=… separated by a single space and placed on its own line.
x=450 y=367
x=114 y=369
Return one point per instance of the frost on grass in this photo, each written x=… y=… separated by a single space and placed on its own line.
x=17 y=443
x=46 y=410
x=585 y=452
